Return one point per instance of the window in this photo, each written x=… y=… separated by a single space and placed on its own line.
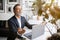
x=12 y=1
x=2 y=5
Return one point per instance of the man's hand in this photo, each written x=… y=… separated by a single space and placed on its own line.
x=21 y=31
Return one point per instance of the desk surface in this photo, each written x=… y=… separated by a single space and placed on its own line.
x=42 y=37
x=32 y=22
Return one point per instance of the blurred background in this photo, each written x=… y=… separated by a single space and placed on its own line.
x=50 y=9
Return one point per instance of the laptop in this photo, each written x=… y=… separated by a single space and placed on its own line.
x=37 y=30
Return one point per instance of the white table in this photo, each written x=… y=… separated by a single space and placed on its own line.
x=42 y=37
x=32 y=22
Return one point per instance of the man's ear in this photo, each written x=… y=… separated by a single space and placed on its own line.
x=14 y=11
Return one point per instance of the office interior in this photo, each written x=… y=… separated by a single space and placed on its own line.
x=45 y=13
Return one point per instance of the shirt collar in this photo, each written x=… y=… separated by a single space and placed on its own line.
x=17 y=17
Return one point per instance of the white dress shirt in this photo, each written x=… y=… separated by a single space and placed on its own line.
x=19 y=21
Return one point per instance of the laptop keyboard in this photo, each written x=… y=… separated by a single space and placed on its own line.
x=28 y=35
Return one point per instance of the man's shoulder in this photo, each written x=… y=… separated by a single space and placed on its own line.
x=22 y=16
x=11 y=18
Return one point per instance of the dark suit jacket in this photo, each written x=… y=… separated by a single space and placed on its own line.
x=13 y=24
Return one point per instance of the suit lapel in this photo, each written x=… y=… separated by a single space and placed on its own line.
x=22 y=22
x=16 y=21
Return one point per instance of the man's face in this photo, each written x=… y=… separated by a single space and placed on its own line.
x=17 y=10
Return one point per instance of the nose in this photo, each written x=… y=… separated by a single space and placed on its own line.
x=18 y=10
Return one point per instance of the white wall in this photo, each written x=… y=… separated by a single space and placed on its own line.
x=6 y=15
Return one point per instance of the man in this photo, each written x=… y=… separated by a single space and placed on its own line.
x=16 y=23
